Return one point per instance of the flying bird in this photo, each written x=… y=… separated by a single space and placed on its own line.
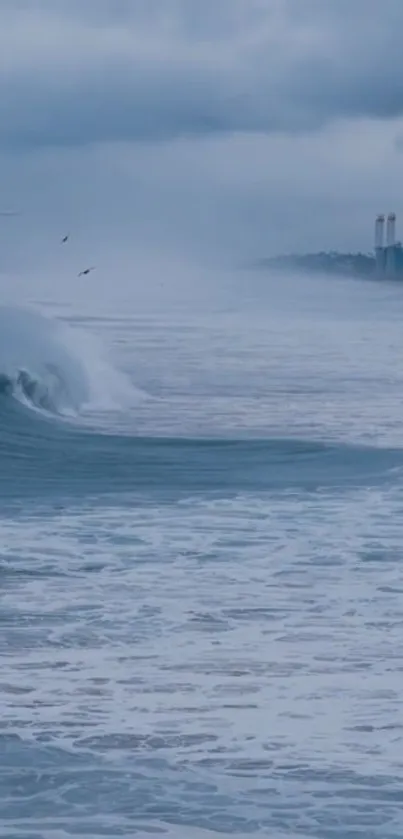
x=86 y=271
x=65 y=238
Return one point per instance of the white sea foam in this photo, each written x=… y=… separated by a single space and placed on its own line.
x=228 y=665
x=49 y=365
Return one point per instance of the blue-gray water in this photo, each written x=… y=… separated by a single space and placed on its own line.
x=201 y=559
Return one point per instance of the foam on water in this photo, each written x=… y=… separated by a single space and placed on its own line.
x=47 y=365
x=232 y=664
x=202 y=596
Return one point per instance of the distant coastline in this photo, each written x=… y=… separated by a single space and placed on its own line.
x=324 y=262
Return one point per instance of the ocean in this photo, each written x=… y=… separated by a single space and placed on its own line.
x=201 y=530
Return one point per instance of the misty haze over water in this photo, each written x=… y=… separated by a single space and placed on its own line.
x=201 y=464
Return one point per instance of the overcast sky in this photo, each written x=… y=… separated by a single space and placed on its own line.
x=212 y=127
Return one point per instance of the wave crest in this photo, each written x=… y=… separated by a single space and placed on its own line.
x=44 y=364
x=52 y=367
x=49 y=394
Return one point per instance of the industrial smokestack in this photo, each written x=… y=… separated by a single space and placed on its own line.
x=379 y=231
x=391 y=230
x=391 y=245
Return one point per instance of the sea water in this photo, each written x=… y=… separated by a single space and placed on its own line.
x=201 y=529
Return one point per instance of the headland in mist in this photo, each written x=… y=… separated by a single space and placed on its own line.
x=323 y=262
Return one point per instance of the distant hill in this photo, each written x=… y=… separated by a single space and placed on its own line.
x=331 y=262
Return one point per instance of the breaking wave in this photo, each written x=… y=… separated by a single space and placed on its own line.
x=50 y=367
x=47 y=373
x=37 y=367
x=48 y=393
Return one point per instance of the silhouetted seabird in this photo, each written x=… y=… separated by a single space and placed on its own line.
x=86 y=271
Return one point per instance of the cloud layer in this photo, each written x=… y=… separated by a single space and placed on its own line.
x=219 y=127
x=128 y=70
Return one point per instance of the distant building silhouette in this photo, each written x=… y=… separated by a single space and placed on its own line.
x=389 y=256
x=385 y=262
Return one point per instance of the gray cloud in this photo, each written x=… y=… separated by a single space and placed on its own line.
x=74 y=72
x=233 y=129
x=230 y=198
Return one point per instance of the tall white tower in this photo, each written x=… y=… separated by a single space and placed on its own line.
x=391 y=244
x=391 y=230
x=379 y=231
x=379 y=245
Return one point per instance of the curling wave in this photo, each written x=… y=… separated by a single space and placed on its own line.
x=37 y=366
x=49 y=393
x=42 y=457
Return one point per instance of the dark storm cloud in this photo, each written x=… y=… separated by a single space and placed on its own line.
x=149 y=70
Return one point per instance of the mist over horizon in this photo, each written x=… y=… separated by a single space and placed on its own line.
x=204 y=133
x=201 y=463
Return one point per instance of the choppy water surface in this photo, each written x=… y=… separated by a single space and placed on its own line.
x=201 y=499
